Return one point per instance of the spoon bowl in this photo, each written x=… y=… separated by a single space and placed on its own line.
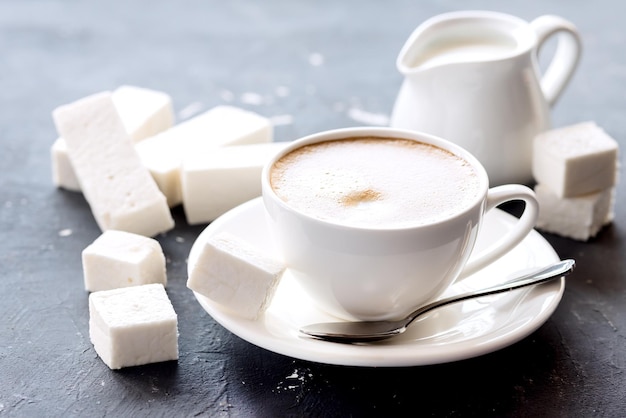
x=367 y=331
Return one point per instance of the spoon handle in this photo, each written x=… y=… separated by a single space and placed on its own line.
x=544 y=274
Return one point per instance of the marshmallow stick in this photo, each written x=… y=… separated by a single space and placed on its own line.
x=144 y=113
x=120 y=191
x=163 y=154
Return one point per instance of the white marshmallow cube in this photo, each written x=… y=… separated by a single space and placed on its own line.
x=119 y=189
x=575 y=160
x=121 y=259
x=236 y=275
x=144 y=113
x=579 y=218
x=163 y=154
x=133 y=326
x=216 y=181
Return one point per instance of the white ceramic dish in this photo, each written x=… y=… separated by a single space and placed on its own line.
x=452 y=333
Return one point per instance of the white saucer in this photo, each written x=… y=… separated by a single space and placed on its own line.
x=451 y=333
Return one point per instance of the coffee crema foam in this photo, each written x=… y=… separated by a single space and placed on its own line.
x=375 y=182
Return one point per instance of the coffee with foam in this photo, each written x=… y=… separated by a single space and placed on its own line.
x=375 y=182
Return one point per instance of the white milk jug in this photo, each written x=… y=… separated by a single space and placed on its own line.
x=473 y=78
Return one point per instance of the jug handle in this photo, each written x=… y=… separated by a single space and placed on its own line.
x=566 y=56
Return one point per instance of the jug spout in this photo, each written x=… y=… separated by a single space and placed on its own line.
x=460 y=38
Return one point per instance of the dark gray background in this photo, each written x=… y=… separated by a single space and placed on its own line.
x=205 y=53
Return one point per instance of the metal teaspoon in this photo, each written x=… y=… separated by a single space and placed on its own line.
x=365 y=331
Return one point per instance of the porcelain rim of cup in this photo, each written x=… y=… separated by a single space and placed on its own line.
x=381 y=132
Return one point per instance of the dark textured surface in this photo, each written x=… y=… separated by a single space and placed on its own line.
x=213 y=52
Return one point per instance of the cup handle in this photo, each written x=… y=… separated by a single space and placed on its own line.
x=566 y=55
x=496 y=196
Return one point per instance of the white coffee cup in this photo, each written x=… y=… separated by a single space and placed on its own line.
x=378 y=272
